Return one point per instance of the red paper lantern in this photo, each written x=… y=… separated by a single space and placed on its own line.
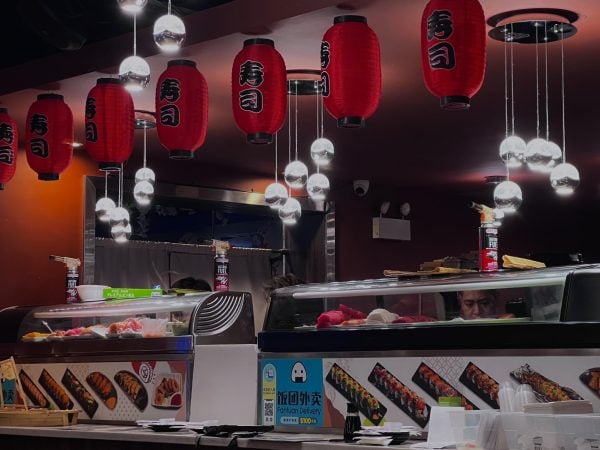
x=351 y=71
x=182 y=108
x=49 y=136
x=9 y=146
x=453 y=50
x=109 y=123
x=258 y=90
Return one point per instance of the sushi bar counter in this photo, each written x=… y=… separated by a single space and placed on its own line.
x=91 y=436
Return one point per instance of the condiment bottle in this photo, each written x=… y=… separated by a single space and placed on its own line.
x=221 y=279
x=352 y=423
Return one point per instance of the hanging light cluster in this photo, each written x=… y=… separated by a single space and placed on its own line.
x=143 y=190
x=540 y=154
x=349 y=87
x=169 y=34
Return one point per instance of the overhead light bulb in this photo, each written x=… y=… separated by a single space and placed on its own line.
x=321 y=151
x=135 y=73
x=508 y=197
x=132 y=6
x=564 y=178
x=275 y=195
x=143 y=192
x=169 y=33
x=121 y=234
x=512 y=150
x=498 y=216
x=104 y=206
x=290 y=211
x=556 y=152
x=317 y=186
x=538 y=154
x=119 y=218
x=296 y=174
x=145 y=174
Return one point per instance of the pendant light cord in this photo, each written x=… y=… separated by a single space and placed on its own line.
x=121 y=186
x=106 y=184
x=319 y=122
x=512 y=79
x=144 y=147
x=276 y=170
x=562 y=83
x=296 y=117
x=505 y=86
x=289 y=125
x=169 y=8
x=546 y=78
x=134 y=34
x=537 y=83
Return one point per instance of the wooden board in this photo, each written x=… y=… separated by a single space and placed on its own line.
x=10 y=417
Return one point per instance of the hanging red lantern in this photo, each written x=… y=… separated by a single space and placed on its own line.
x=351 y=71
x=258 y=90
x=182 y=108
x=453 y=50
x=49 y=136
x=9 y=146
x=109 y=123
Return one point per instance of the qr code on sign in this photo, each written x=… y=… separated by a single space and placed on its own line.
x=269 y=412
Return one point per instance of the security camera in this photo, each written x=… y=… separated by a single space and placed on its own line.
x=361 y=187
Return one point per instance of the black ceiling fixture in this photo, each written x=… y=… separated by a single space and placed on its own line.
x=40 y=28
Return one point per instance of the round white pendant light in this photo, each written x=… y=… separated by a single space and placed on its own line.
x=119 y=217
x=321 y=151
x=104 y=206
x=290 y=211
x=564 y=178
x=296 y=174
x=317 y=186
x=121 y=234
x=538 y=154
x=145 y=174
x=169 y=33
x=143 y=192
x=135 y=73
x=275 y=195
x=512 y=151
x=508 y=197
x=555 y=153
x=132 y=6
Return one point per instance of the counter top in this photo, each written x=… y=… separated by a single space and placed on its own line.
x=138 y=434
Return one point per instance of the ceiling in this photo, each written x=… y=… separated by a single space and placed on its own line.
x=408 y=142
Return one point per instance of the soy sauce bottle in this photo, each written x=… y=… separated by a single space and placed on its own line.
x=352 y=423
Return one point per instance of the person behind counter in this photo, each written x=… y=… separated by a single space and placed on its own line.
x=477 y=304
x=191 y=283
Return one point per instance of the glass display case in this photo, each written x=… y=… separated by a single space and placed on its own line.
x=457 y=299
x=202 y=316
x=125 y=360
x=395 y=346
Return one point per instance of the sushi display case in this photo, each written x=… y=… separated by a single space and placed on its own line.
x=398 y=346
x=123 y=360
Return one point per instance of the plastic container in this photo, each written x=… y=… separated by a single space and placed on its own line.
x=91 y=292
x=506 y=397
x=523 y=396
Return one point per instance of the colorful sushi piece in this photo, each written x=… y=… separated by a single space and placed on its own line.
x=354 y=392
